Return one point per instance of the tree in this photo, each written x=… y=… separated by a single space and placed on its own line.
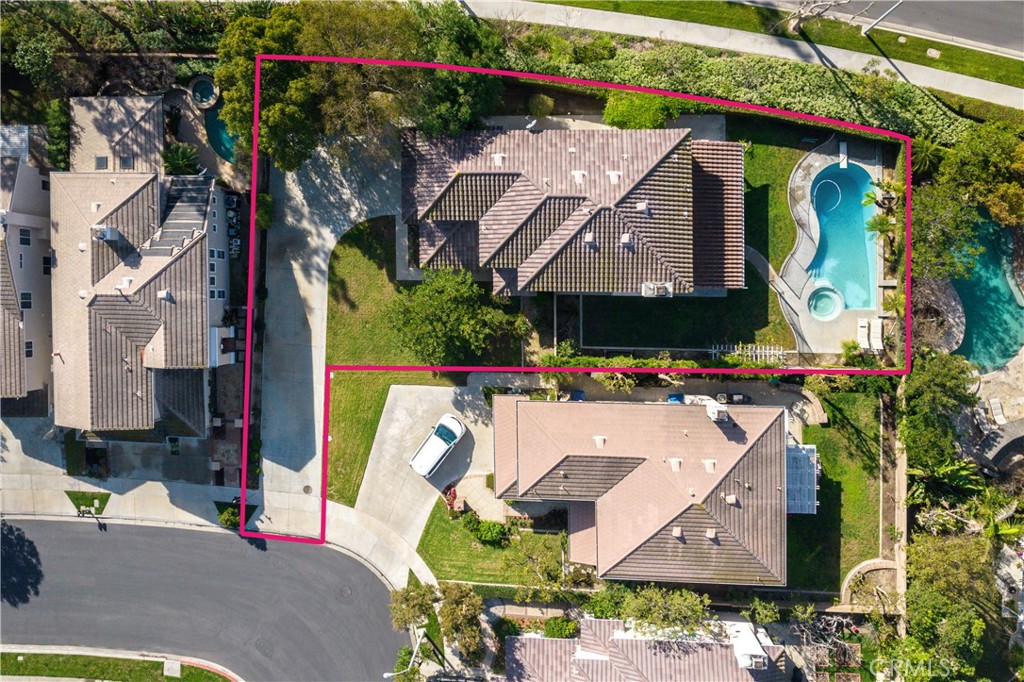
x=949 y=479
x=940 y=383
x=561 y=627
x=656 y=610
x=988 y=167
x=459 y=616
x=452 y=100
x=926 y=155
x=264 y=211
x=810 y=9
x=762 y=612
x=229 y=517
x=412 y=605
x=540 y=105
x=944 y=229
x=957 y=567
x=607 y=602
x=491 y=532
x=535 y=567
x=449 y=319
x=181 y=158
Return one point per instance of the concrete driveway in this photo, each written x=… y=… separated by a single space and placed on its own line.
x=391 y=491
x=312 y=209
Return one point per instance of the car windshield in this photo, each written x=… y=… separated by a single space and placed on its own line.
x=445 y=434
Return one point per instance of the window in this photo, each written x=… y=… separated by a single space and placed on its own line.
x=26 y=300
x=221 y=294
x=28 y=349
x=212 y=252
x=25 y=236
x=220 y=254
x=101 y=163
x=21 y=261
x=212 y=293
x=213 y=267
x=46 y=185
x=127 y=162
x=47 y=264
x=214 y=213
x=213 y=280
x=214 y=227
x=214 y=200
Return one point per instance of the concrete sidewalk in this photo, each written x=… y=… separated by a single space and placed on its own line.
x=741 y=41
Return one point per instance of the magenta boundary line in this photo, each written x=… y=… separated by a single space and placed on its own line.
x=800 y=116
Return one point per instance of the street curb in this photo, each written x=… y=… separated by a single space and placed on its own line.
x=120 y=653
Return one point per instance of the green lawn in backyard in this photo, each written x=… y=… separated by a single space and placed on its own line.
x=96 y=668
x=361 y=284
x=453 y=553
x=831 y=32
x=822 y=548
x=751 y=315
x=85 y=499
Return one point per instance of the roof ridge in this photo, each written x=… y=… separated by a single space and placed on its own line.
x=507 y=238
x=135 y=123
x=654 y=166
x=740 y=542
x=546 y=262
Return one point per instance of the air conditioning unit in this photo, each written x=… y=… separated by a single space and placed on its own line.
x=758 y=662
x=104 y=233
x=656 y=289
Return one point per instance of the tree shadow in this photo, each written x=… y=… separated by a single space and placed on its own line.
x=814 y=542
x=860 y=441
x=755 y=206
x=258 y=543
x=22 y=567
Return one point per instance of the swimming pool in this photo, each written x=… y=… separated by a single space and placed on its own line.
x=217 y=133
x=994 y=320
x=846 y=250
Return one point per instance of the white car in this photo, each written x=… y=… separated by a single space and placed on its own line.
x=439 y=442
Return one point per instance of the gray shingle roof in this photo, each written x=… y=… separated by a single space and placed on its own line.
x=521 y=188
x=12 y=340
x=620 y=455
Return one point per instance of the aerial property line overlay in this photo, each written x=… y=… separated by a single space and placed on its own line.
x=755 y=108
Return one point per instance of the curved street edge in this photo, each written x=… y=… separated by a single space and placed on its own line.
x=120 y=653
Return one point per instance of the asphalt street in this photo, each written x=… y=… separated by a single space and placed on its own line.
x=271 y=611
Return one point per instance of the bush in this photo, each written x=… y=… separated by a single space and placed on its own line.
x=471 y=522
x=607 y=603
x=229 y=518
x=635 y=110
x=491 y=532
x=403 y=672
x=506 y=628
x=264 y=211
x=58 y=142
x=181 y=159
x=187 y=69
x=561 y=627
x=540 y=105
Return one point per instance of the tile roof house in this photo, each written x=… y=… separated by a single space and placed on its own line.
x=25 y=261
x=655 y=491
x=132 y=279
x=608 y=651
x=638 y=212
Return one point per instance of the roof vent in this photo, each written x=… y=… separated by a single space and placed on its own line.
x=82 y=246
x=626 y=239
x=709 y=465
x=732 y=500
x=692 y=492
x=588 y=237
x=572 y=150
x=83 y=293
x=711 y=534
x=96 y=206
x=657 y=289
x=677 y=532
x=123 y=284
x=717 y=412
x=578 y=176
x=676 y=463
x=499 y=158
x=164 y=295
x=562 y=489
x=614 y=177
x=138 y=394
x=599 y=442
x=643 y=207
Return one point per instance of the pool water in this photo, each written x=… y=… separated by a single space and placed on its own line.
x=202 y=91
x=846 y=254
x=217 y=133
x=994 y=328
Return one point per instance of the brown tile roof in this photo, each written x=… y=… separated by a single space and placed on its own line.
x=114 y=127
x=12 y=340
x=109 y=338
x=607 y=652
x=523 y=190
x=650 y=467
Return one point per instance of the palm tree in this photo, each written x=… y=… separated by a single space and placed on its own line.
x=926 y=155
x=870 y=197
x=895 y=304
x=993 y=513
x=180 y=159
x=955 y=478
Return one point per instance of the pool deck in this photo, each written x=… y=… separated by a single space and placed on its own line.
x=794 y=285
x=192 y=130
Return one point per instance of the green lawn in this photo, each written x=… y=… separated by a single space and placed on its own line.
x=831 y=32
x=751 y=315
x=825 y=546
x=95 y=668
x=453 y=553
x=361 y=284
x=85 y=499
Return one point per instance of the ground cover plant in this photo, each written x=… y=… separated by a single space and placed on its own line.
x=97 y=668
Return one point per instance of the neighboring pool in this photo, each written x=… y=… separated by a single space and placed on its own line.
x=846 y=255
x=217 y=133
x=994 y=329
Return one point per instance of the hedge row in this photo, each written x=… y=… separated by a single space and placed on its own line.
x=868 y=99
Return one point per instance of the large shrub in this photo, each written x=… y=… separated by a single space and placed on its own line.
x=636 y=110
x=58 y=140
x=491 y=532
x=561 y=627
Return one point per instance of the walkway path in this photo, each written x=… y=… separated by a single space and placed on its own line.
x=741 y=41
